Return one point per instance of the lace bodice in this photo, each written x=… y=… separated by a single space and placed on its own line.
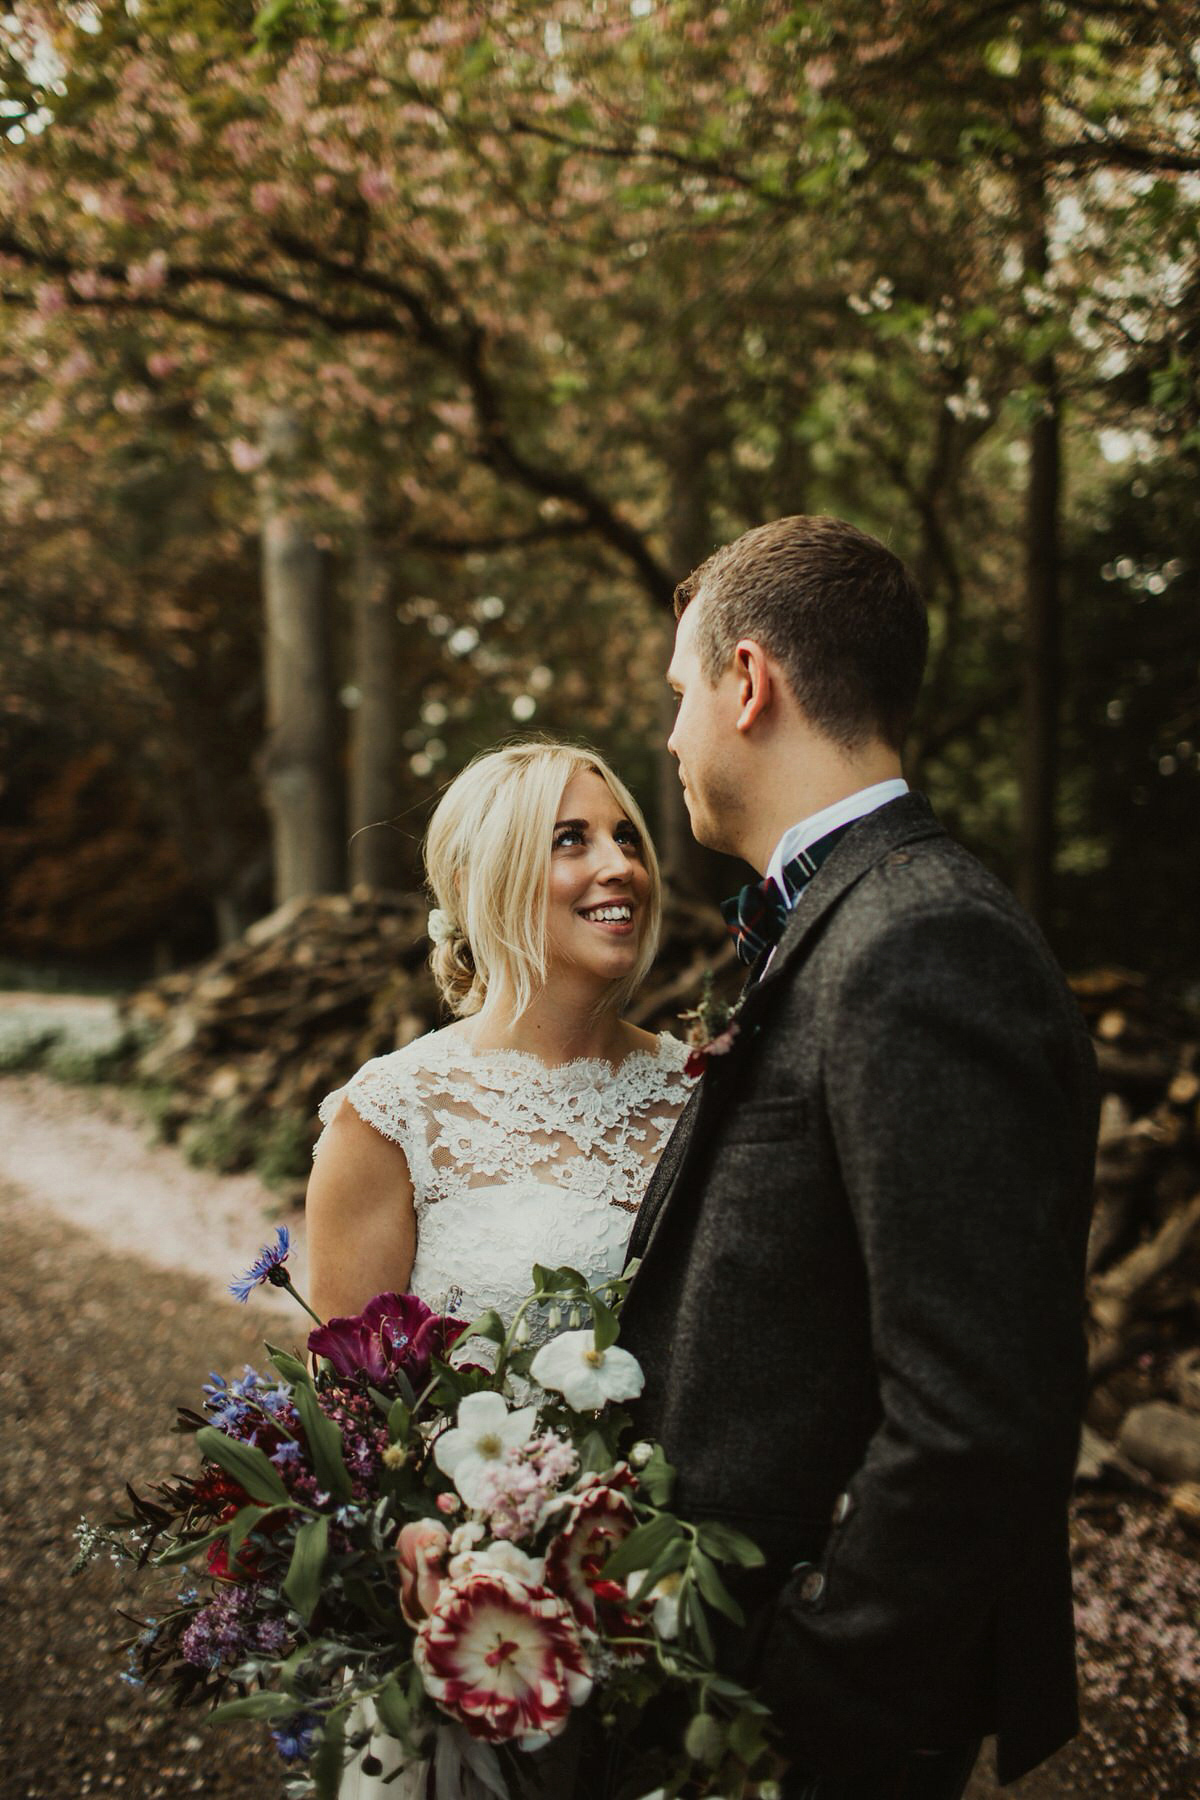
x=513 y=1162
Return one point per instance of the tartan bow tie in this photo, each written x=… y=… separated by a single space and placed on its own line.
x=756 y=916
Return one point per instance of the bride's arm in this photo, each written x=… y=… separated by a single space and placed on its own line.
x=362 y=1230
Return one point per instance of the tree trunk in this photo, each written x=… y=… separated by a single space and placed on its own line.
x=301 y=778
x=1042 y=679
x=689 y=867
x=381 y=853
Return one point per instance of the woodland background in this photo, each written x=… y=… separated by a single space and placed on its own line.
x=369 y=373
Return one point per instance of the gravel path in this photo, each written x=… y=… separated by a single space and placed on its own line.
x=115 y=1306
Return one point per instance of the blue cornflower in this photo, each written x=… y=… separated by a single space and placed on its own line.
x=267 y=1266
x=295 y=1738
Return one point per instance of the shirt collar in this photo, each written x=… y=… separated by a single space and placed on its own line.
x=842 y=812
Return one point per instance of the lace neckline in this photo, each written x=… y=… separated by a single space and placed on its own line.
x=459 y=1052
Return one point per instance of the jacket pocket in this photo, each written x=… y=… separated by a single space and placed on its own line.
x=771 y=1121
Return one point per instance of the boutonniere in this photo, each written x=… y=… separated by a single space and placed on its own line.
x=712 y=1028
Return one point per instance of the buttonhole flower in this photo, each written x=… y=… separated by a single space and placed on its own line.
x=721 y=1045
x=485 y=1431
x=587 y=1378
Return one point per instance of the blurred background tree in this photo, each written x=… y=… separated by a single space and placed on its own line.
x=373 y=371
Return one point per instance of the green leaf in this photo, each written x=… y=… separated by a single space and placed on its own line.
x=674 y=1557
x=243 y=1523
x=324 y=1444
x=727 y=1545
x=747 y=1739
x=594 y=1454
x=643 y=1546
x=329 y=1759
x=181 y=1553
x=302 y=1584
x=714 y=1589
x=289 y=1366
x=657 y=1477
x=605 y=1322
x=253 y=1706
x=246 y=1463
x=392 y=1705
x=399 y=1421
x=489 y=1325
x=693 y=1610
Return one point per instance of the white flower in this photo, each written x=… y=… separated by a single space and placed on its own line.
x=505 y=1557
x=440 y=926
x=587 y=1378
x=664 y=1596
x=485 y=1431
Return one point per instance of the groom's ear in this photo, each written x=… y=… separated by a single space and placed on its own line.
x=754 y=682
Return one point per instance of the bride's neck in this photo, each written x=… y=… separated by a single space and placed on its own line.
x=556 y=1027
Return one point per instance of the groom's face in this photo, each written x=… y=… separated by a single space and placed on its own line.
x=704 y=740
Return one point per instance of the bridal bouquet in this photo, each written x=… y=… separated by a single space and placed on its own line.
x=441 y=1543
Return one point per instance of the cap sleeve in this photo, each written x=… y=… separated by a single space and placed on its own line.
x=385 y=1094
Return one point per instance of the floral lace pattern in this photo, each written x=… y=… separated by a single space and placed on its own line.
x=513 y=1162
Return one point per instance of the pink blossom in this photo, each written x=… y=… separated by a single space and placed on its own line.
x=421 y=1551
x=375 y=186
x=245 y=456
x=516 y=1490
x=150 y=276
x=265 y=198
x=504 y=1658
x=161 y=364
x=49 y=299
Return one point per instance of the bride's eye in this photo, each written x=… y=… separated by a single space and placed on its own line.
x=567 y=836
x=630 y=836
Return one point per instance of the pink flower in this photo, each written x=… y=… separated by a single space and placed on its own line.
x=504 y=1658
x=245 y=456
x=599 y=1519
x=421 y=1551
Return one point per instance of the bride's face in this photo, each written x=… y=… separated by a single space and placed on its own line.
x=599 y=886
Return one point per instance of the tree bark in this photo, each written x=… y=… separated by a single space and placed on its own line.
x=1042 y=678
x=689 y=867
x=381 y=854
x=301 y=777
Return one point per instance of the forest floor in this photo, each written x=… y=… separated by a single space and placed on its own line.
x=116 y=1260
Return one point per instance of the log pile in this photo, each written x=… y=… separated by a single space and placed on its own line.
x=265 y=1028
x=1144 y=1251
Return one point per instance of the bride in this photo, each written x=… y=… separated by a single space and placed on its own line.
x=526 y=1130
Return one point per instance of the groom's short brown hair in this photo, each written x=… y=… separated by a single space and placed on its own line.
x=837 y=610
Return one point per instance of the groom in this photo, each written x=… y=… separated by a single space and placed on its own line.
x=859 y=1301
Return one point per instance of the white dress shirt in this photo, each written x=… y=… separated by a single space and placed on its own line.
x=808 y=831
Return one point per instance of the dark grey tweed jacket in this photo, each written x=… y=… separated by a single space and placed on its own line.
x=859 y=1308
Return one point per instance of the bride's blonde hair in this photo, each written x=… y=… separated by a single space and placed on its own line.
x=487 y=858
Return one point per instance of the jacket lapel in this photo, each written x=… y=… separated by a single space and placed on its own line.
x=906 y=820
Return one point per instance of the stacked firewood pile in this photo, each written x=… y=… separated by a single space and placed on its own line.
x=263 y=1029
x=1144 y=1253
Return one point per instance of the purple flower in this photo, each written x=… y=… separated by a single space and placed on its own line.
x=393 y=1332
x=295 y=1738
x=267 y=1266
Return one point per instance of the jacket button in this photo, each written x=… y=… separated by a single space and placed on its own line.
x=843 y=1506
x=813 y=1586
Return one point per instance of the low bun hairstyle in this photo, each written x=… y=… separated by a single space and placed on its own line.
x=487 y=858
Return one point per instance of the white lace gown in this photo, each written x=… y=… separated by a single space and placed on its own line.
x=511 y=1163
